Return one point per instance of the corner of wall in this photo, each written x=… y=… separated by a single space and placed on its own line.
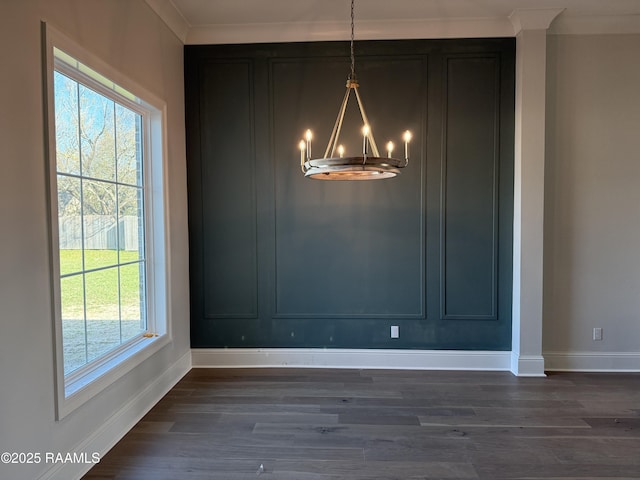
x=123 y=420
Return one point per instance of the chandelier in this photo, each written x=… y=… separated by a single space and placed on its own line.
x=366 y=165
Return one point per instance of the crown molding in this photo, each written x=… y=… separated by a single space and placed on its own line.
x=533 y=19
x=596 y=25
x=367 y=30
x=551 y=19
x=172 y=17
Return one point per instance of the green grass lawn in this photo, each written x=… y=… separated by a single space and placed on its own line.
x=104 y=289
x=113 y=313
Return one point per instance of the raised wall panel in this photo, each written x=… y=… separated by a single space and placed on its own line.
x=469 y=187
x=228 y=212
x=348 y=249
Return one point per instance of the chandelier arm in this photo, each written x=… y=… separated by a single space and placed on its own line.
x=344 y=109
x=335 y=134
x=374 y=147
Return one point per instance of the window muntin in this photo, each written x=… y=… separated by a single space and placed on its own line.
x=101 y=220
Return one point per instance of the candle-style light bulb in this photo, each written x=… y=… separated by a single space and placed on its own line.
x=407 y=138
x=340 y=150
x=365 y=139
x=303 y=148
x=308 y=135
x=389 y=149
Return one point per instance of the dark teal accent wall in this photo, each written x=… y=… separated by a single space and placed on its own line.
x=278 y=260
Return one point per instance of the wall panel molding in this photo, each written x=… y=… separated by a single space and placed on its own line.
x=228 y=190
x=469 y=187
x=340 y=248
x=280 y=261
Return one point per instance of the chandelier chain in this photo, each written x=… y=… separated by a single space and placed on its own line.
x=353 y=58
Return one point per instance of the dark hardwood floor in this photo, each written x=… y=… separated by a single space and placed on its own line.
x=312 y=424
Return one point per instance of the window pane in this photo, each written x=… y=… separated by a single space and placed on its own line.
x=97 y=135
x=69 y=224
x=100 y=227
x=101 y=201
x=132 y=299
x=66 y=113
x=73 y=333
x=131 y=219
x=103 y=312
x=128 y=146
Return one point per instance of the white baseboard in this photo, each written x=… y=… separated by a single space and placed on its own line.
x=592 y=361
x=350 y=358
x=122 y=421
x=527 y=365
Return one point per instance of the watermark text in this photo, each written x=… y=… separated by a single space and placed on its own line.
x=23 y=458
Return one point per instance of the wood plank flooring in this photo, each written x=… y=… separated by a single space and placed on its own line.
x=316 y=424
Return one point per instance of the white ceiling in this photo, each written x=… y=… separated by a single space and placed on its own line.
x=241 y=21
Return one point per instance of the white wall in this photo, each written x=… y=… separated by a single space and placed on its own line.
x=592 y=202
x=129 y=36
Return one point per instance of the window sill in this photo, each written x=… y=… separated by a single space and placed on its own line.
x=83 y=388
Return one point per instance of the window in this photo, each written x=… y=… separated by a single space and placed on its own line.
x=101 y=228
x=107 y=215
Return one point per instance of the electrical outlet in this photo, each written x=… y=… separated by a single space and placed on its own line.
x=395 y=331
x=597 y=334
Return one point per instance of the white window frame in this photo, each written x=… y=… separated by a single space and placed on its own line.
x=63 y=54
